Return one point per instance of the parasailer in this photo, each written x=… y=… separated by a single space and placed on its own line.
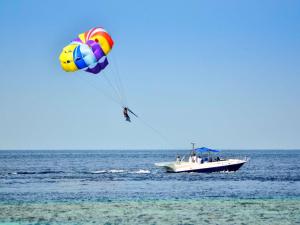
x=125 y=113
x=89 y=52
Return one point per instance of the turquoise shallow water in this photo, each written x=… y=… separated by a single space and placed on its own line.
x=212 y=211
x=124 y=187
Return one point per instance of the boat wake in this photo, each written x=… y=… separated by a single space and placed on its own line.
x=140 y=171
x=32 y=172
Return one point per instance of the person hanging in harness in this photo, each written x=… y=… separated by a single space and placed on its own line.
x=125 y=113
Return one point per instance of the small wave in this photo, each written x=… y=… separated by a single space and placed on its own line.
x=116 y=171
x=25 y=173
x=31 y=172
x=141 y=171
x=227 y=172
x=108 y=171
x=99 y=171
x=48 y=172
x=14 y=173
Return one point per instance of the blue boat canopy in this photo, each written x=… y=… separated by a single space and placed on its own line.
x=204 y=149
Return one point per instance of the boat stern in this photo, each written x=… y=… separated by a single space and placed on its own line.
x=168 y=166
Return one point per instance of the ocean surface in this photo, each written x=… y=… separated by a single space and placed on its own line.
x=124 y=187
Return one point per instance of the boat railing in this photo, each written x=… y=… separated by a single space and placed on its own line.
x=209 y=158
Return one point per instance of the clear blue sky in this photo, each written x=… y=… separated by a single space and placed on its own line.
x=224 y=74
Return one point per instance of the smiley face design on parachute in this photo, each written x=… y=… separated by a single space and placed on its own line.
x=66 y=58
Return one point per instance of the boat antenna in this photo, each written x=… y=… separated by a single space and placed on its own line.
x=193 y=144
x=193 y=150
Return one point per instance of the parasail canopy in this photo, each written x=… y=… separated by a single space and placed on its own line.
x=87 y=52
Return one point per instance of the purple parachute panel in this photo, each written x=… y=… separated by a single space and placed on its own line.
x=100 y=66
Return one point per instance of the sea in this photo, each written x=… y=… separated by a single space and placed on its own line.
x=125 y=187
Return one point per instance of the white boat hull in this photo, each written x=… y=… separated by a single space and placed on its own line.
x=207 y=167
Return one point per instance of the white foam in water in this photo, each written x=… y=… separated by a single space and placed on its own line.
x=116 y=171
x=13 y=173
x=108 y=171
x=142 y=171
x=227 y=171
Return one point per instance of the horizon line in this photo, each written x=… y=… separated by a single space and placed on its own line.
x=156 y=149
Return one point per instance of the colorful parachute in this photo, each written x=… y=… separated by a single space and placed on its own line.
x=87 y=52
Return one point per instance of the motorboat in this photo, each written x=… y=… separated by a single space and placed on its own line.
x=202 y=160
